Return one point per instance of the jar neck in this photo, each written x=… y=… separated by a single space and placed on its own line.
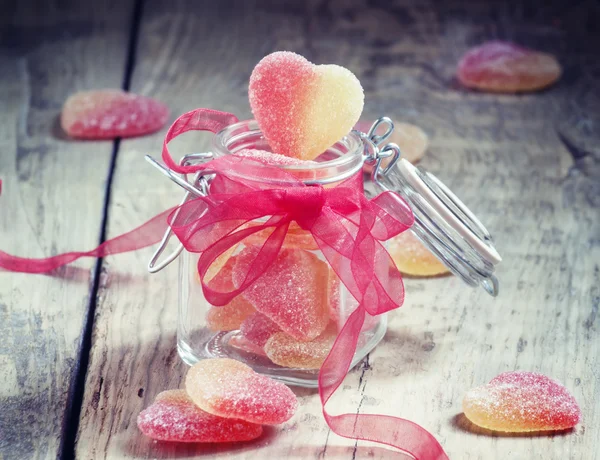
x=342 y=160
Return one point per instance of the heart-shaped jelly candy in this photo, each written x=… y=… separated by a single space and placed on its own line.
x=522 y=401
x=228 y=388
x=302 y=108
x=174 y=417
x=504 y=67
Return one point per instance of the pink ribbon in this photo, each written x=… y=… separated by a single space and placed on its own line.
x=347 y=227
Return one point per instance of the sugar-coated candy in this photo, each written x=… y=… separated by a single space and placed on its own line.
x=301 y=108
x=230 y=316
x=286 y=351
x=229 y=388
x=505 y=67
x=411 y=139
x=258 y=328
x=241 y=343
x=270 y=158
x=111 y=113
x=522 y=401
x=174 y=417
x=413 y=258
x=292 y=292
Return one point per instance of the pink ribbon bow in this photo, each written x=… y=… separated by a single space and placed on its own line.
x=247 y=197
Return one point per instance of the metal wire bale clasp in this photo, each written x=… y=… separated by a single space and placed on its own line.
x=198 y=187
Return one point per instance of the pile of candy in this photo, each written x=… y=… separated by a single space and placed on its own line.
x=223 y=401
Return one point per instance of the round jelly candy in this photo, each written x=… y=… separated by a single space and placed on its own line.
x=504 y=67
x=228 y=388
x=412 y=258
x=292 y=292
x=110 y=113
x=174 y=417
x=522 y=401
x=228 y=317
x=303 y=109
x=286 y=351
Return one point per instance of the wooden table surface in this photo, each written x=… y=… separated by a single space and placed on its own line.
x=84 y=351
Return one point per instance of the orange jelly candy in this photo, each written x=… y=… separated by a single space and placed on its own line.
x=228 y=317
x=292 y=292
x=174 y=417
x=286 y=351
x=228 y=388
x=522 y=401
x=412 y=258
x=504 y=67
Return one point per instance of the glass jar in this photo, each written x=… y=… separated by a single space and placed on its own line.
x=205 y=331
x=441 y=221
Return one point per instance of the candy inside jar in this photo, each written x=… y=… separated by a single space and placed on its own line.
x=284 y=324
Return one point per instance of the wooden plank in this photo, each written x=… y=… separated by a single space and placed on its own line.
x=501 y=153
x=52 y=201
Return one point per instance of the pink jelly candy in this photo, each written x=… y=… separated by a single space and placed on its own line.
x=286 y=351
x=241 y=343
x=229 y=388
x=230 y=316
x=257 y=328
x=411 y=139
x=110 y=113
x=292 y=292
x=522 y=401
x=270 y=158
x=303 y=109
x=505 y=67
x=174 y=417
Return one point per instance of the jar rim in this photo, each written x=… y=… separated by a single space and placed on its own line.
x=345 y=165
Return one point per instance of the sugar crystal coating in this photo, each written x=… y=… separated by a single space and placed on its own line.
x=303 y=109
x=522 y=401
x=229 y=388
x=413 y=258
x=258 y=328
x=230 y=316
x=505 y=67
x=174 y=417
x=411 y=139
x=292 y=292
x=286 y=351
x=109 y=113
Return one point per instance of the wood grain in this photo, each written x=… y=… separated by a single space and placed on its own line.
x=52 y=201
x=501 y=154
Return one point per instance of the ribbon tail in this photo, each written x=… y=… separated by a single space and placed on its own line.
x=145 y=235
x=396 y=432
